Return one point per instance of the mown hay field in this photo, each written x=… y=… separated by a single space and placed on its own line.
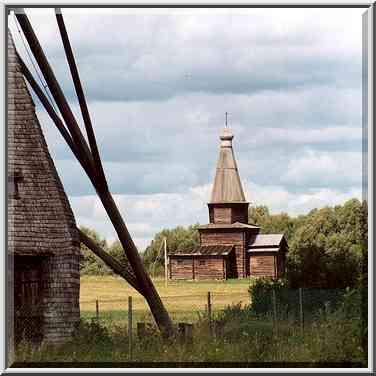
x=184 y=300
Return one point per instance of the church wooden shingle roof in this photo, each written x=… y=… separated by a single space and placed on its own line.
x=227 y=185
x=207 y=250
x=40 y=219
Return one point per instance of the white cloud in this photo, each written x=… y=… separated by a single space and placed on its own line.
x=319 y=169
x=278 y=199
x=145 y=215
x=158 y=82
x=302 y=136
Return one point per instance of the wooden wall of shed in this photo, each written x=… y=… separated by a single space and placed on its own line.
x=181 y=267
x=222 y=237
x=281 y=262
x=263 y=265
x=61 y=292
x=47 y=291
x=209 y=267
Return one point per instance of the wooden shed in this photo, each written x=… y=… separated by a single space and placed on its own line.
x=43 y=242
x=267 y=255
x=252 y=253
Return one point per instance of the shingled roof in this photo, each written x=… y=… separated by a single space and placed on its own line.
x=207 y=250
x=40 y=219
x=227 y=185
x=265 y=242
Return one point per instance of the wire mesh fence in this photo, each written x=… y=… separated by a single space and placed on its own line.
x=180 y=307
x=287 y=307
x=296 y=306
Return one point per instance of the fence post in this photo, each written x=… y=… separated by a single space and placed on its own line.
x=189 y=333
x=130 y=327
x=301 y=309
x=185 y=332
x=97 y=309
x=210 y=314
x=274 y=307
x=141 y=330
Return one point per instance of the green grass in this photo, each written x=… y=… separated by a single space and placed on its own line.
x=241 y=336
x=243 y=339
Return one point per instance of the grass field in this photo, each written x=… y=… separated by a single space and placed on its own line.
x=183 y=299
x=334 y=336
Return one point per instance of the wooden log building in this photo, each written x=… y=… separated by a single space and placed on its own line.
x=43 y=241
x=229 y=247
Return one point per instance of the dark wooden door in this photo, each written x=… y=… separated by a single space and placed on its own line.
x=28 y=297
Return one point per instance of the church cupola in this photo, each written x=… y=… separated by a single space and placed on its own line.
x=228 y=203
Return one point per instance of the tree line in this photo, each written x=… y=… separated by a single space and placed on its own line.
x=327 y=246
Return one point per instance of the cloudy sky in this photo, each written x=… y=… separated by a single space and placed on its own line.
x=158 y=83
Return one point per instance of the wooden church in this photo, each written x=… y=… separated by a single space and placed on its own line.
x=43 y=241
x=230 y=247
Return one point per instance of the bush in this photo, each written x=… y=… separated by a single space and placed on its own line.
x=260 y=290
x=90 y=332
x=236 y=323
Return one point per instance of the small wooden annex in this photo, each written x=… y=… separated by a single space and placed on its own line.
x=43 y=241
x=205 y=262
x=229 y=247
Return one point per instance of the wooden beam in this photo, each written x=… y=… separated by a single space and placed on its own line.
x=54 y=117
x=81 y=99
x=144 y=281
x=123 y=271
x=151 y=295
x=54 y=86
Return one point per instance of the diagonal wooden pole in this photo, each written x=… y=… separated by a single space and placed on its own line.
x=81 y=98
x=126 y=273
x=54 y=117
x=53 y=85
x=123 y=271
x=150 y=293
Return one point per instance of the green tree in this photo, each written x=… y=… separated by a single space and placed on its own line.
x=328 y=247
x=178 y=239
x=89 y=262
x=269 y=224
x=116 y=251
x=306 y=259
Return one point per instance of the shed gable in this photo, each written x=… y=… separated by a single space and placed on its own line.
x=40 y=218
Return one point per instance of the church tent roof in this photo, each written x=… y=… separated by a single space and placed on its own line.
x=227 y=186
